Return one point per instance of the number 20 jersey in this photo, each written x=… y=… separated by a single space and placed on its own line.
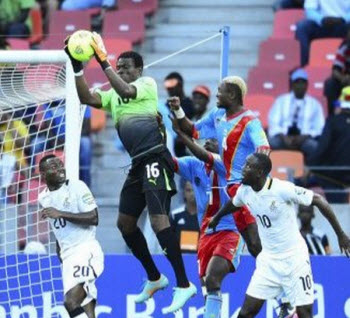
x=75 y=197
x=275 y=209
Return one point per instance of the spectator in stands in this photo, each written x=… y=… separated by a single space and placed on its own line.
x=340 y=74
x=316 y=241
x=201 y=99
x=15 y=138
x=296 y=119
x=71 y=5
x=185 y=223
x=7 y=170
x=14 y=17
x=46 y=7
x=4 y=44
x=288 y=4
x=333 y=151
x=174 y=85
x=324 y=19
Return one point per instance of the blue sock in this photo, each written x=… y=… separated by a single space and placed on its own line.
x=213 y=305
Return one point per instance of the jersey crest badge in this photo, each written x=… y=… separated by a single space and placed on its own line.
x=66 y=203
x=273 y=206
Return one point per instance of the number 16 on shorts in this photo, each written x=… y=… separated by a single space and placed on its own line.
x=152 y=172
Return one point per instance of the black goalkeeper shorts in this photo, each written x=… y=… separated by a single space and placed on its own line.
x=150 y=183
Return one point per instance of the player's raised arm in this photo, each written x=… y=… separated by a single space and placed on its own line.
x=123 y=89
x=84 y=93
x=197 y=150
x=85 y=218
x=185 y=124
x=326 y=210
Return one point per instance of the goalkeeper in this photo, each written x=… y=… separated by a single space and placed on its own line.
x=133 y=101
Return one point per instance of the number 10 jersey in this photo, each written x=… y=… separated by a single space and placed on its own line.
x=275 y=209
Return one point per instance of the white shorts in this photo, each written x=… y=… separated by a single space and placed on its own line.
x=84 y=265
x=291 y=275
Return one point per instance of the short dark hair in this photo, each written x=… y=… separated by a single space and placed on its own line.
x=264 y=162
x=44 y=159
x=175 y=75
x=136 y=57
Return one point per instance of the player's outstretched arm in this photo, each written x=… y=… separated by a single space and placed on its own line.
x=197 y=150
x=326 y=210
x=123 y=89
x=84 y=93
x=228 y=208
x=185 y=124
x=84 y=218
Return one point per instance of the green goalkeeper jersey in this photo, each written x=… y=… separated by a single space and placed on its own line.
x=136 y=119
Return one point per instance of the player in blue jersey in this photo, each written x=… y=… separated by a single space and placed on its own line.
x=219 y=252
x=239 y=134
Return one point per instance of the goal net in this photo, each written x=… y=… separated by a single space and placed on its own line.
x=39 y=114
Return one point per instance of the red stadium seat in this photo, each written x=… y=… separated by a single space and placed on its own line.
x=18 y=44
x=37 y=26
x=287 y=163
x=284 y=24
x=95 y=77
x=145 y=6
x=279 y=53
x=268 y=81
x=64 y=23
x=317 y=77
x=261 y=105
x=124 y=24
x=323 y=52
x=114 y=48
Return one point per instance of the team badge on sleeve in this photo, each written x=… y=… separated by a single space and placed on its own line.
x=88 y=199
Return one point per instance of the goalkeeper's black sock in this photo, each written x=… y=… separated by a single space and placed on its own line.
x=137 y=244
x=77 y=313
x=171 y=248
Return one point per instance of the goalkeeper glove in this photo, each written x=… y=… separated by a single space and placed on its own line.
x=100 y=50
x=77 y=65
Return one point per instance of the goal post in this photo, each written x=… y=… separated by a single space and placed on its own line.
x=73 y=117
x=40 y=113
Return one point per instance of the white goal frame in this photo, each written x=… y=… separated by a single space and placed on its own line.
x=73 y=124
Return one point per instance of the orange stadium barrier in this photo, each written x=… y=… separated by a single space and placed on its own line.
x=98 y=120
x=286 y=163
